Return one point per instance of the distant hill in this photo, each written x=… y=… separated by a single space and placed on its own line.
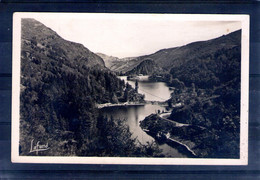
x=118 y=64
x=109 y=60
x=146 y=67
x=176 y=57
x=124 y=66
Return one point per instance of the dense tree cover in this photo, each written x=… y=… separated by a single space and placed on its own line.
x=58 y=98
x=178 y=57
x=115 y=140
x=213 y=101
x=211 y=70
x=146 y=67
x=208 y=89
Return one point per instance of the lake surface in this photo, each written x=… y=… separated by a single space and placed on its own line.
x=154 y=91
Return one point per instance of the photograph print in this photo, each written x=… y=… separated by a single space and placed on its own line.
x=130 y=88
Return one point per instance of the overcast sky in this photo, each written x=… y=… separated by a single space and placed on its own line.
x=132 y=35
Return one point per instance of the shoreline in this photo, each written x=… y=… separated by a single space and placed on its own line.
x=169 y=142
x=100 y=106
x=163 y=116
x=186 y=146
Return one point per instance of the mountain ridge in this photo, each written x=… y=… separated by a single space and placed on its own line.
x=49 y=38
x=176 y=56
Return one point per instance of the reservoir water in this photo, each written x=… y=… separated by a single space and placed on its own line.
x=154 y=91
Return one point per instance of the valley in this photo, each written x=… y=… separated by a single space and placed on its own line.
x=177 y=102
x=208 y=96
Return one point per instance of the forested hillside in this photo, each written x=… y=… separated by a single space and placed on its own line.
x=179 y=56
x=61 y=83
x=207 y=87
x=146 y=67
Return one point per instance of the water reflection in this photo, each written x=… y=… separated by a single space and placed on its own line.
x=135 y=114
x=153 y=91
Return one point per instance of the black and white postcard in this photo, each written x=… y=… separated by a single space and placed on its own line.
x=103 y=88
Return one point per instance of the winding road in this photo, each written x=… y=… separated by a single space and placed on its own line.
x=164 y=116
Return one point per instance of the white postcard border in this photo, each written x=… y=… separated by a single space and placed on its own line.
x=125 y=160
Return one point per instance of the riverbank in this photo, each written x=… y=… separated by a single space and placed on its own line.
x=171 y=141
x=183 y=147
x=156 y=101
x=100 y=106
x=190 y=137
